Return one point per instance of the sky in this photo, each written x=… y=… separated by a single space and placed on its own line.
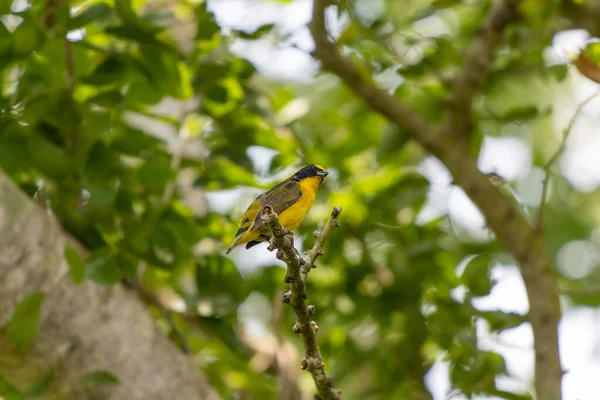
x=508 y=156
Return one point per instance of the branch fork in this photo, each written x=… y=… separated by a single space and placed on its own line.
x=449 y=144
x=282 y=240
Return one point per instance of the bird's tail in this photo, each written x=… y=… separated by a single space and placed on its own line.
x=236 y=239
x=231 y=246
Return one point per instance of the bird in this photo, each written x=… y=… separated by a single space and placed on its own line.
x=290 y=200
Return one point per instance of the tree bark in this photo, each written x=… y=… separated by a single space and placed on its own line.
x=83 y=328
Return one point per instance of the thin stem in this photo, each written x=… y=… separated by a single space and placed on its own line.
x=556 y=156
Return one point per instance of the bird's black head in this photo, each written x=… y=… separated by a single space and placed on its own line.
x=310 y=171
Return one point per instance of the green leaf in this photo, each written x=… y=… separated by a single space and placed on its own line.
x=14 y=153
x=99 y=378
x=76 y=264
x=476 y=276
x=207 y=26
x=41 y=386
x=156 y=172
x=521 y=113
x=25 y=322
x=8 y=391
x=109 y=71
x=27 y=37
x=101 y=266
x=129 y=18
x=500 y=321
x=6 y=42
x=49 y=158
x=109 y=99
x=559 y=71
x=261 y=31
x=95 y=12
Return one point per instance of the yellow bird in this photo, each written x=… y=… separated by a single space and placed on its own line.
x=290 y=200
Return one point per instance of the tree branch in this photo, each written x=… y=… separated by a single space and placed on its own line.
x=283 y=241
x=555 y=157
x=317 y=250
x=466 y=85
x=502 y=216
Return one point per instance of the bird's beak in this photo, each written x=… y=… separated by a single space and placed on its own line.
x=322 y=173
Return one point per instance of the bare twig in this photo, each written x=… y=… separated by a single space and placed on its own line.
x=501 y=214
x=556 y=156
x=152 y=298
x=466 y=85
x=283 y=241
x=317 y=250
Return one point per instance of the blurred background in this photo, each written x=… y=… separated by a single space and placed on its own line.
x=149 y=131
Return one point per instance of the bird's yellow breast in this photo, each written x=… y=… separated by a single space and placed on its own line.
x=293 y=216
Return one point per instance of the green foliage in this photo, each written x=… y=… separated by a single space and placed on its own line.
x=98 y=378
x=25 y=322
x=41 y=386
x=101 y=266
x=76 y=264
x=124 y=133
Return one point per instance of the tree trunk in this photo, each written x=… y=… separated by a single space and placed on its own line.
x=83 y=328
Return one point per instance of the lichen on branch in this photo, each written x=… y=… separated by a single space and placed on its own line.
x=282 y=241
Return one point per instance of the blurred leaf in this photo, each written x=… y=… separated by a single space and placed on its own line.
x=261 y=31
x=24 y=326
x=99 y=378
x=76 y=264
x=131 y=21
x=8 y=391
x=27 y=37
x=50 y=159
x=500 y=321
x=40 y=387
x=155 y=173
x=109 y=71
x=100 y=12
x=111 y=98
x=558 y=71
x=207 y=26
x=101 y=267
x=476 y=276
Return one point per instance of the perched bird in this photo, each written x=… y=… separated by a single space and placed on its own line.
x=290 y=200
